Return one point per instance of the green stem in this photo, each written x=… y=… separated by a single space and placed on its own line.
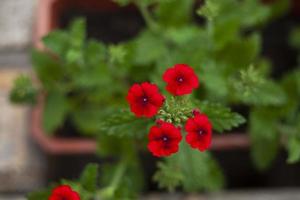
x=150 y=22
x=108 y=192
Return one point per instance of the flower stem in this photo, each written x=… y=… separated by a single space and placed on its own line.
x=150 y=22
x=108 y=192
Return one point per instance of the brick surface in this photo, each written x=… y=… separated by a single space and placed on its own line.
x=21 y=165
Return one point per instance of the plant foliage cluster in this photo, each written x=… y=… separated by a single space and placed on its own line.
x=85 y=81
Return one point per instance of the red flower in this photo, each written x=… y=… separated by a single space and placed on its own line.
x=64 y=192
x=181 y=79
x=164 y=139
x=199 y=132
x=144 y=99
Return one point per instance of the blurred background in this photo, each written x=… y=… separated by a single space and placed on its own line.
x=30 y=160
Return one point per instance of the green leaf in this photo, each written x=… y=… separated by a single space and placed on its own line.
x=148 y=48
x=168 y=175
x=124 y=124
x=57 y=41
x=77 y=33
x=89 y=177
x=117 y=53
x=264 y=136
x=55 y=110
x=293 y=149
x=222 y=118
x=77 y=39
x=239 y=53
x=174 y=12
x=95 y=54
x=48 y=70
x=265 y=93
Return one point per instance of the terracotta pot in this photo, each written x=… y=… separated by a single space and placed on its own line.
x=48 y=14
x=56 y=145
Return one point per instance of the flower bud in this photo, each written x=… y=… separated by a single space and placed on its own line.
x=196 y=112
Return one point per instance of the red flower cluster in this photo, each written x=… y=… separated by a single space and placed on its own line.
x=64 y=192
x=144 y=99
x=199 y=131
x=181 y=79
x=164 y=138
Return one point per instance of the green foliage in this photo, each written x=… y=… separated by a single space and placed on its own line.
x=195 y=171
x=86 y=81
x=169 y=174
x=89 y=177
x=221 y=117
x=210 y=10
x=253 y=89
x=55 y=110
x=264 y=136
x=124 y=124
x=23 y=91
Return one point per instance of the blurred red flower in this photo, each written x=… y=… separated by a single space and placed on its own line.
x=64 y=192
x=199 y=132
x=164 y=139
x=144 y=99
x=181 y=79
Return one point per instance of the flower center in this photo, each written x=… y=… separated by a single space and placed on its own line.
x=180 y=79
x=144 y=100
x=165 y=138
x=201 y=131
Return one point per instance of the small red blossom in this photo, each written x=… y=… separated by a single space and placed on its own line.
x=181 y=79
x=199 y=132
x=144 y=99
x=64 y=192
x=164 y=139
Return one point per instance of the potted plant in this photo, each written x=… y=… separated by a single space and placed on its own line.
x=231 y=72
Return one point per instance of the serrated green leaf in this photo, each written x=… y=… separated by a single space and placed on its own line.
x=89 y=177
x=55 y=110
x=222 y=118
x=201 y=166
x=117 y=53
x=168 y=174
x=124 y=124
x=57 y=41
x=266 y=93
